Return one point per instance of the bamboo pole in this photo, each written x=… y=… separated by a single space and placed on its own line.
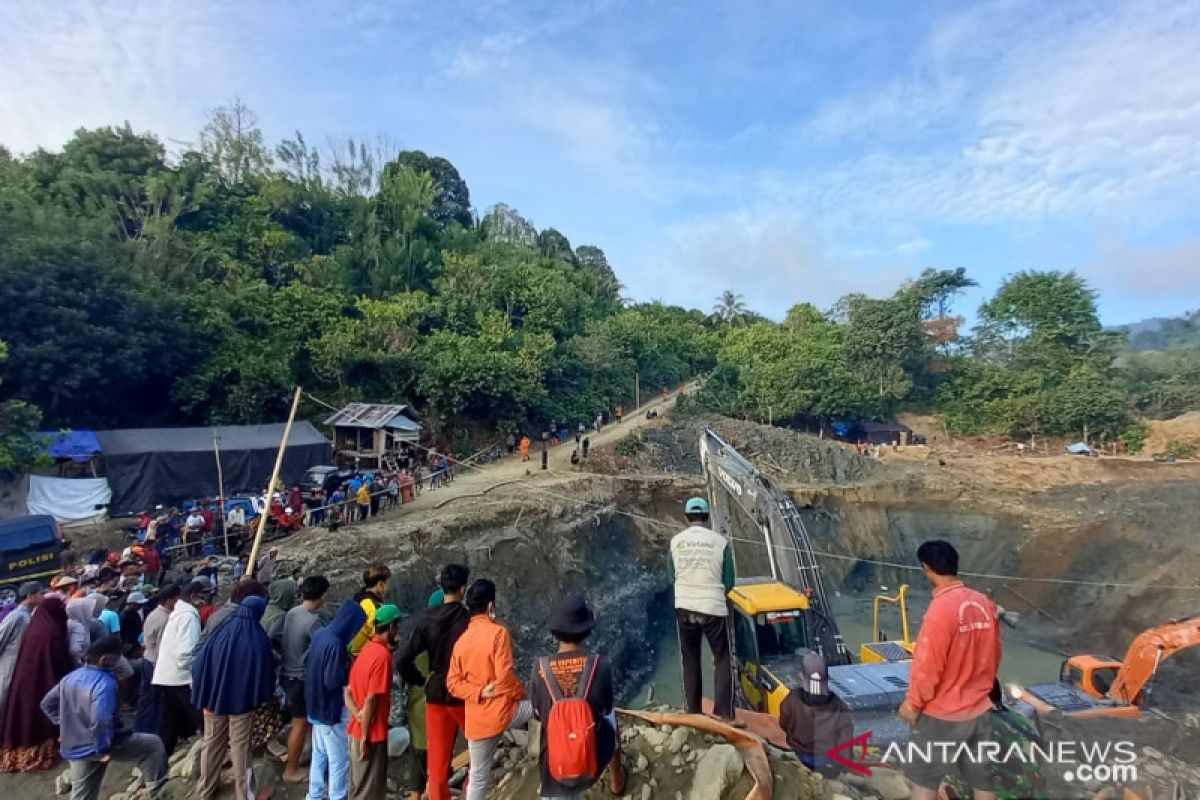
x=262 y=519
x=221 y=493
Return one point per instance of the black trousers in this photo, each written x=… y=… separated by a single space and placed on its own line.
x=177 y=719
x=693 y=627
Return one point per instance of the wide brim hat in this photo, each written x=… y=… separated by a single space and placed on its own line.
x=572 y=616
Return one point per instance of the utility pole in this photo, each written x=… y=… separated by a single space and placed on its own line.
x=221 y=492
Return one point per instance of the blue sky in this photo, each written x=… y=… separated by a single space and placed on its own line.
x=788 y=150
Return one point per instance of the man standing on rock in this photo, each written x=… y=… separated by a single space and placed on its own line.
x=483 y=676
x=298 y=627
x=701 y=569
x=86 y=708
x=435 y=635
x=326 y=674
x=12 y=631
x=369 y=699
x=954 y=667
x=172 y=680
x=573 y=673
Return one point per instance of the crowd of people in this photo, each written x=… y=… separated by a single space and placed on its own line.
x=177 y=662
x=103 y=666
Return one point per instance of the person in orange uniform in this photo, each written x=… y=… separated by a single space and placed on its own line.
x=620 y=413
x=482 y=675
x=369 y=700
x=525 y=445
x=954 y=667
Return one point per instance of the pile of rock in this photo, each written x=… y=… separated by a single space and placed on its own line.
x=685 y=764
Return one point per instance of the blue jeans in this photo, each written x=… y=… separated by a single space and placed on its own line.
x=330 y=753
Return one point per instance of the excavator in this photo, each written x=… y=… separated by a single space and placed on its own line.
x=1099 y=686
x=781 y=608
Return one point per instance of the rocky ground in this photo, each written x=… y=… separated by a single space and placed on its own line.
x=674 y=762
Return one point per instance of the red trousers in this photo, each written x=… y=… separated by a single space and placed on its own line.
x=442 y=724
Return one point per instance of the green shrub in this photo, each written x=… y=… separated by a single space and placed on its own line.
x=1134 y=438
x=1182 y=448
x=630 y=445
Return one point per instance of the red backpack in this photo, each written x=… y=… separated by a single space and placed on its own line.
x=571 y=729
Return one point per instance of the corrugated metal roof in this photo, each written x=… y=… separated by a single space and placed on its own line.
x=373 y=416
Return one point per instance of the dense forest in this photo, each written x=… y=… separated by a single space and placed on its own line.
x=142 y=289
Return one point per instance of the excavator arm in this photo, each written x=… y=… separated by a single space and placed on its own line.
x=768 y=537
x=1148 y=651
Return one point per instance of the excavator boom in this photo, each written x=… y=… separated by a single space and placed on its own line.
x=768 y=537
x=1148 y=651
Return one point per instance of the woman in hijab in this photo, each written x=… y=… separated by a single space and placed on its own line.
x=79 y=620
x=28 y=739
x=97 y=628
x=283 y=600
x=232 y=675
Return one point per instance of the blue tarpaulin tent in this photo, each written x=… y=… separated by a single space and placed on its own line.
x=78 y=446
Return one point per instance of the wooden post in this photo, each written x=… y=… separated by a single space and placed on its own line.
x=262 y=519
x=221 y=493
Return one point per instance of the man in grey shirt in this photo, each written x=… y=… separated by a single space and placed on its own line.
x=298 y=628
x=156 y=620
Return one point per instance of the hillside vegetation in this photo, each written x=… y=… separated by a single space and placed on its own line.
x=141 y=288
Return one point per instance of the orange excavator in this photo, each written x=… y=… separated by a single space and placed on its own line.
x=1096 y=686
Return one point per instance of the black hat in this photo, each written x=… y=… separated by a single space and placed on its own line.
x=107 y=646
x=572 y=616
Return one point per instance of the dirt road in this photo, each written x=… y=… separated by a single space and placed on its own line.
x=474 y=481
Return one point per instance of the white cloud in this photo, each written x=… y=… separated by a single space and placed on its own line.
x=74 y=64
x=1083 y=115
x=1149 y=271
x=770 y=257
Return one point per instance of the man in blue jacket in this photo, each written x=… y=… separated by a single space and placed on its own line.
x=326 y=673
x=86 y=708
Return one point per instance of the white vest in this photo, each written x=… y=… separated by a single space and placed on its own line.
x=698 y=555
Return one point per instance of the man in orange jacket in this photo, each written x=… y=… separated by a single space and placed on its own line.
x=483 y=676
x=525 y=445
x=954 y=667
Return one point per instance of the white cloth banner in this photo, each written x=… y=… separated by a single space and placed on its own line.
x=68 y=498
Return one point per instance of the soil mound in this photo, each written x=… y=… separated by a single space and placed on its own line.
x=797 y=457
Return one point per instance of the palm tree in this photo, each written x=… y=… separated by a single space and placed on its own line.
x=731 y=308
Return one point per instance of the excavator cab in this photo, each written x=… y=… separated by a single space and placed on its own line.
x=878 y=651
x=771 y=634
x=1092 y=674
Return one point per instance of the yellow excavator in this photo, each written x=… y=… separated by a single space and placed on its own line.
x=781 y=609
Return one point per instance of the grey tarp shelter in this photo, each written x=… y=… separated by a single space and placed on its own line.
x=147 y=466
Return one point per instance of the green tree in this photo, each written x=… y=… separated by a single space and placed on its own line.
x=452 y=200
x=233 y=143
x=730 y=308
x=553 y=245
x=1090 y=403
x=19 y=447
x=884 y=344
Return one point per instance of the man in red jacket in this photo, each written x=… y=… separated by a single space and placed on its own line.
x=954 y=667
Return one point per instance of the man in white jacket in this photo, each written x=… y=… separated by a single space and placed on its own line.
x=172 y=681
